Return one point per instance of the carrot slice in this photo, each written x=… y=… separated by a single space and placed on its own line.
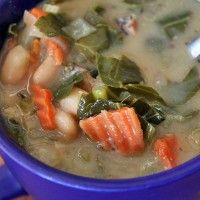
x=119 y=130
x=166 y=149
x=35 y=52
x=42 y=98
x=56 y=51
x=38 y=12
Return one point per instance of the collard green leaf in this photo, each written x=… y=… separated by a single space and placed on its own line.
x=83 y=56
x=175 y=24
x=50 y=25
x=88 y=106
x=94 y=18
x=100 y=10
x=25 y=103
x=65 y=88
x=117 y=73
x=151 y=114
x=79 y=28
x=115 y=36
x=148 y=94
x=148 y=130
x=180 y=93
x=15 y=130
x=133 y=92
x=97 y=41
x=156 y=44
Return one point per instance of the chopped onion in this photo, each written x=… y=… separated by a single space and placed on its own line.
x=51 y=8
x=78 y=29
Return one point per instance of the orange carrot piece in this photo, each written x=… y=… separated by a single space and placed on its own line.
x=42 y=98
x=166 y=149
x=38 y=12
x=56 y=51
x=119 y=130
x=35 y=52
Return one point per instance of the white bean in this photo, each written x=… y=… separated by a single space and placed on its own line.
x=67 y=125
x=15 y=65
x=70 y=103
x=46 y=72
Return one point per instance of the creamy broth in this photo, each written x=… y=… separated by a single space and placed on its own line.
x=159 y=67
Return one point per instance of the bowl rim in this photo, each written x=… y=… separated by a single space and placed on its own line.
x=9 y=148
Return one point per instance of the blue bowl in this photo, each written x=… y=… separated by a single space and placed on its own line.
x=24 y=173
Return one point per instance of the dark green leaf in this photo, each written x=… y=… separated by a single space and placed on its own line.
x=97 y=41
x=148 y=94
x=15 y=130
x=180 y=117
x=13 y=30
x=175 y=24
x=83 y=56
x=180 y=93
x=116 y=73
x=100 y=10
x=50 y=25
x=25 y=103
x=156 y=44
x=151 y=114
x=88 y=106
x=65 y=88
x=115 y=36
x=94 y=18
x=148 y=129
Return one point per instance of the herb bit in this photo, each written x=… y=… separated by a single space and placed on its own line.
x=173 y=25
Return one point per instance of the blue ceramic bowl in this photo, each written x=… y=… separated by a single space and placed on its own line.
x=24 y=173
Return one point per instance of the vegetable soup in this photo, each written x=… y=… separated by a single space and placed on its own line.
x=104 y=88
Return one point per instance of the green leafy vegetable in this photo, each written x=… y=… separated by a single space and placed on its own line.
x=175 y=24
x=115 y=36
x=146 y=93
x=156 y=44
x=148 y=129
x=93 y=18
x=65 y=88
x=88 y=106
x=13 y=30
x=50 y=25
x=83 y=56
x=25 y=103
x=117 y=73
x=97 y=41
x=180 y=93
x=100 y=10
x=79 y=28
x=180 y=117
x=15 y=130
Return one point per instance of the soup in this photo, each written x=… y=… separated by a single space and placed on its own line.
x=104 y=89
